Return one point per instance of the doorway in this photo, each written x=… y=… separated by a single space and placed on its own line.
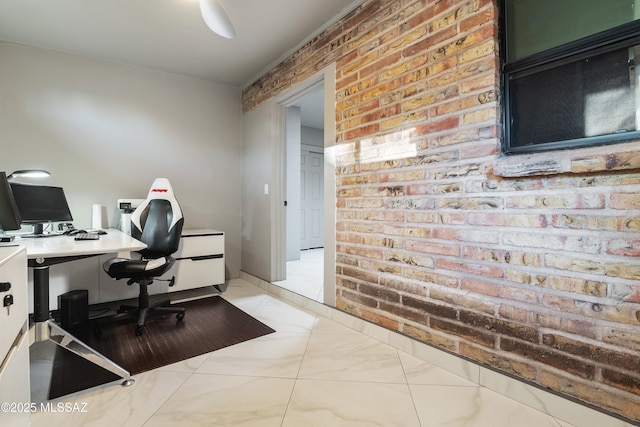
x=308 y=256
x=304 y=131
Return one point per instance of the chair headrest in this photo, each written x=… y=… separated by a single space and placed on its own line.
x=161 y=189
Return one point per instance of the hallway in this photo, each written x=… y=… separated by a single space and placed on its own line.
x=305 y=276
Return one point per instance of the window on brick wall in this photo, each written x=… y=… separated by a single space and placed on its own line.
x=568 y=73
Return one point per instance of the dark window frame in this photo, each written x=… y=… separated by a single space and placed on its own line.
x=618 y=37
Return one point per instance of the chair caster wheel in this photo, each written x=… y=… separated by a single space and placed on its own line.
x=139 y=330
x=180 y=316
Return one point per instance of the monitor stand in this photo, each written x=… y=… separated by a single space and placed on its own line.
x=38 y=231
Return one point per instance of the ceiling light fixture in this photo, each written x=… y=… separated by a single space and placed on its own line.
x=216 y=18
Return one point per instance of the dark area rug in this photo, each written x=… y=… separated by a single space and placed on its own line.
x=209 y=324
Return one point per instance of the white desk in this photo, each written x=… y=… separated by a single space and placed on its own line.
x=66 y=246
x=43 y=252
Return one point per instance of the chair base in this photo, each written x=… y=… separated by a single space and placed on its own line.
x=126 y=312
x=143 y=310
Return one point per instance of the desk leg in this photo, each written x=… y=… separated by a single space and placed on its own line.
x=45 y=328
x=65 y=340
x=41 y=294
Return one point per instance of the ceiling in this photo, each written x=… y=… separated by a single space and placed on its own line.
x=170 y=35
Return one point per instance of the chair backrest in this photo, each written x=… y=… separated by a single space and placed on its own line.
x=158 y=221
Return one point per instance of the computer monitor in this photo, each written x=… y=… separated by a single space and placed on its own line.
x=40 y=204
x=9 y=215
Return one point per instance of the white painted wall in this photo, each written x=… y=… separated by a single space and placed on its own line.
x=106 y=130
x=312 y=136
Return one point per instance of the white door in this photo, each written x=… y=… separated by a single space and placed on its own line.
x=263 y=211
x=311 y=199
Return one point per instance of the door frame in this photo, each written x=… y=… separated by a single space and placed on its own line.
x=326 y=79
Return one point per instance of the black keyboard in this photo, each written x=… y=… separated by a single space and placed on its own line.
x=86 y=236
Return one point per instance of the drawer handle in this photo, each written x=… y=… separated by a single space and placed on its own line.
x=5 y=286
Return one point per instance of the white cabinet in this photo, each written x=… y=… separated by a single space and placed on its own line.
x=199 y=260
x=14 y=339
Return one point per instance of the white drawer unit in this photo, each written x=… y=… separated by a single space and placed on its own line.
x=13 y=295
x=14 y=339
x=199 y=260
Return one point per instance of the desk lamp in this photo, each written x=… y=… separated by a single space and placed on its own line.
x=31 y=199
x=29 y=173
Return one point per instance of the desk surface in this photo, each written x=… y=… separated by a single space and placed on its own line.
x=63 y=246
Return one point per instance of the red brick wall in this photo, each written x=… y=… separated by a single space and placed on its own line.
x=526 y=264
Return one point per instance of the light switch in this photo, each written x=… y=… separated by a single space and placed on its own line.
x=266 y=189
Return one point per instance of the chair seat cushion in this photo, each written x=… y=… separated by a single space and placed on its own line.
x=120 y=268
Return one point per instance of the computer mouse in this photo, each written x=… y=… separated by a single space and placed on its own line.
x=101 y=232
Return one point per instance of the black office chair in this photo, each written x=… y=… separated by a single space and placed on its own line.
x=157 y=222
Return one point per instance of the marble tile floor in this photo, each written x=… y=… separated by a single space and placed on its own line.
x=311 y=372
x=305 y=276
